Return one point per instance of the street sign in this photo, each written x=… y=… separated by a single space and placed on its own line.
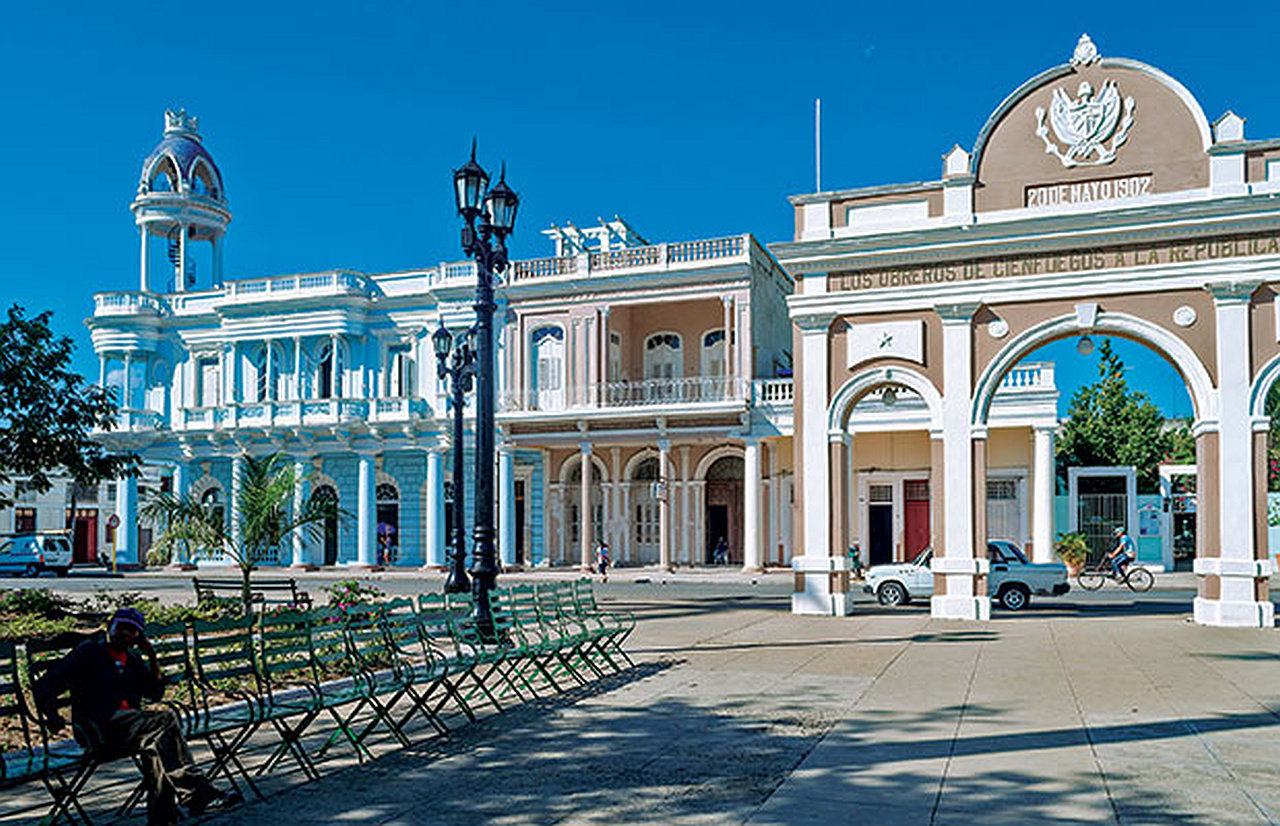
x=113 y=521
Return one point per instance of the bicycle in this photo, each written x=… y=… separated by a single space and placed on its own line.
x=1137 y=578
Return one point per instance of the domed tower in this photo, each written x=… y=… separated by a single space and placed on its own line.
x=181 y=203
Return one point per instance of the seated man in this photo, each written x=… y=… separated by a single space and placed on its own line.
x=1124 y=552
x=108 y=680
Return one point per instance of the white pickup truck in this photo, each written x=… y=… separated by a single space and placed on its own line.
x=1012 y=581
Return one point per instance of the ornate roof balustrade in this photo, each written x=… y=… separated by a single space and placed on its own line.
x=128 y=303
x=310 y=412
x=656 y=258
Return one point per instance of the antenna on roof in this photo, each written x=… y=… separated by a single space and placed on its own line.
x=817 y=144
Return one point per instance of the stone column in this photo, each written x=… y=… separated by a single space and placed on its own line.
x=366 y=514
x=774 y=500
x=689 y=540
x=435 y=550
x=181 y=474
x=961 y=593
x=297 y=372
x=299 y=537
x=1240 y=576
x=664 y=505
x=335 y=374
x=127 y=513
x=729 y=366
x=584 y=509
x=237 y=475
x=507 y=504
x=1042 y=502
x=752 y=559
x=815 y=561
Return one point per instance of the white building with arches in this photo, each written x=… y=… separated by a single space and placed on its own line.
x=1097 y=200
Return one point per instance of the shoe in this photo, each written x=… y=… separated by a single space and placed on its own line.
x=212 y=800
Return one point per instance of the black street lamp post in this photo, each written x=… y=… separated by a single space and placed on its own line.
x=459 y=374
x=489 y=216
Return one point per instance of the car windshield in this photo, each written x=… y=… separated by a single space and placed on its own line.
x=924 y=557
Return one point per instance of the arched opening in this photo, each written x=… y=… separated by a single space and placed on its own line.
x=203 y=182
x=326 y=495
x=573 y=506
x=547 y=381
x=329 y=369
x=388 y=515
x=1118 y=452
x=663 y=357
x=266 y=368
x=644 y=516
x=164 y=176
x=723 y=518
x=400 y=370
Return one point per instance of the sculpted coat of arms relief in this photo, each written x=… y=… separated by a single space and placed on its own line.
x=1090 y=127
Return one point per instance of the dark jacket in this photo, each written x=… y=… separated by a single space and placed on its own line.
x=97 y=686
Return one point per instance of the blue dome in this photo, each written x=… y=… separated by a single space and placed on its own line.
x=181 y=144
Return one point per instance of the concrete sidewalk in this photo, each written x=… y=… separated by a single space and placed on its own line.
x=743 y=713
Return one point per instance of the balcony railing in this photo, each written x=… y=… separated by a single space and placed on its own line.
x=681 y=255
x=293 y=413
x=624 y=394
x=129 y=303
x=774 y=392
x=1031 y=376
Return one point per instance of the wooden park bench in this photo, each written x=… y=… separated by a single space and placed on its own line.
x=263 y=591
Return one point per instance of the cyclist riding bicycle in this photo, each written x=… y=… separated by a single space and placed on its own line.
x=1124 y=553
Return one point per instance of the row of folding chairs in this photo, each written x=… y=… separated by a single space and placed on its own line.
x=295 y=673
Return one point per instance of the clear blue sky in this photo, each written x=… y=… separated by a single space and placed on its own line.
x=336 y=126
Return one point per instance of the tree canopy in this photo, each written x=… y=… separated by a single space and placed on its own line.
x=1110 y=424
x=48 y=412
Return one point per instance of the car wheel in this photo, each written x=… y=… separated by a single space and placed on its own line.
x=1015 y=597
x=892 y=593
x=31 y=571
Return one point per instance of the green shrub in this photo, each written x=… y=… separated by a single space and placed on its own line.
x=35 y=602
x=1072 y=549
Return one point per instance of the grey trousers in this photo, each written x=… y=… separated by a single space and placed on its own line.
x=170 y=773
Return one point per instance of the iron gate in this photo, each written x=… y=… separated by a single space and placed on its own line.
x=1097 y=515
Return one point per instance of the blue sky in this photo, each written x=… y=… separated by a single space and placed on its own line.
x=336 y=126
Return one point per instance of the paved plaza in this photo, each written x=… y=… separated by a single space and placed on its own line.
x=1103 y=708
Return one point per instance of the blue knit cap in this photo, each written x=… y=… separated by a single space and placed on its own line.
x=129 y=616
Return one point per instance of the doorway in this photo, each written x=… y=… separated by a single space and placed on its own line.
x=880 y=524
x=717 y=529
x=328 y=496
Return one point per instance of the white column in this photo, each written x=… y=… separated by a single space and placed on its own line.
x=729 y=367
x=297 y=370
x=616 y=510
x=774 y=527
x=688 y=555
x=366 y=514
x=751 y=556
x=335 y=375
x=1042 y=501
x=237 y=474
x=145 y=280
x=102 y=370
x=127 y=513
x=814 y=562
x=180 y=479
x=180 y=277
x=507 y=504
x=269 y=383
x=435 y=550
x=126 y=390
x=299 y=538
x=664 y=506
x=584 y=509
x=1237 y=570
x=958 y=564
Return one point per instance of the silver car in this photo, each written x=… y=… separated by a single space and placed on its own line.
x=31 y=554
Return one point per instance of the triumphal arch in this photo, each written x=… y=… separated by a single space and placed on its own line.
x=1098 y=200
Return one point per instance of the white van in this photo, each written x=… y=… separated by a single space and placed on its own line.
x=30 y=554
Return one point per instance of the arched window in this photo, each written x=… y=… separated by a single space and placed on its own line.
x=615 y=358
x=265 y=363
x=713 y=354
x=329 y=370
x=644 y=516
x=211 y=501
x=663 y=357
x=326 y=495
x=388 y=503
x=399 y=370
x=548 y=368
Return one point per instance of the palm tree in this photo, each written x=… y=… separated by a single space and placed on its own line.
x=265 y=512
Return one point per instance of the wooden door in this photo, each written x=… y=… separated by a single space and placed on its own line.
x=915 y=493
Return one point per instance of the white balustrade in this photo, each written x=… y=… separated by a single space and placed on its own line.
x=774 y=391
x=1029 y=376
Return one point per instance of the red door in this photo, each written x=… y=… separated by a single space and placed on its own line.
x=915 y=493
x=85 y=542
